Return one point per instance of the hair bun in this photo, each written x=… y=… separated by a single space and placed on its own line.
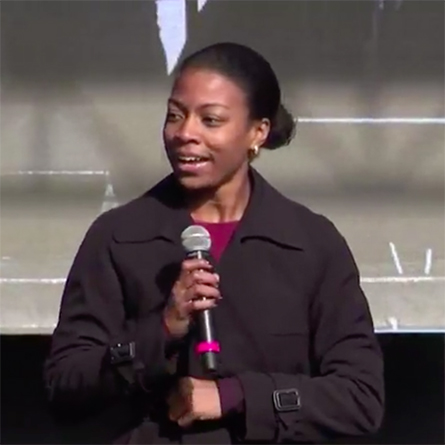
x=282 y=131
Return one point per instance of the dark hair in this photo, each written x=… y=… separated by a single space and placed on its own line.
x=253 y=73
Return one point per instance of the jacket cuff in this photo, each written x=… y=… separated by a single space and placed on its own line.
x=260 y=419
x=231 y=396
x=154 y=353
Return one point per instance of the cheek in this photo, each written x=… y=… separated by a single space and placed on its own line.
x=231 y=146
x=166 y=134
x=231 y=157
x=167 y=139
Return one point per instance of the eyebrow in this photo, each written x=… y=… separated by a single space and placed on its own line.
x=180 y=105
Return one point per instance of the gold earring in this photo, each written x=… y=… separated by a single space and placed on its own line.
x=255 y=151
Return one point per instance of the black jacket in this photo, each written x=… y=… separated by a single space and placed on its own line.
x=293 y=316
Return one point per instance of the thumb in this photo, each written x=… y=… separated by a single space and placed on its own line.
x=186 y=420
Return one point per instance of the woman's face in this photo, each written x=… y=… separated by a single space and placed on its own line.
x=207 y=131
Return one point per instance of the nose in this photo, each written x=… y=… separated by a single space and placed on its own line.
x=187 y=130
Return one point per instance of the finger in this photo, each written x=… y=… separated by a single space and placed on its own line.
x=205 y=277
x=175 y=414
x=186 y=420
x=186 y=276
x=189 y=266
x=176 y=411
x=202 y=277
x=176 y=408
x=178 y=399
x=202 y=305
x=202 y=291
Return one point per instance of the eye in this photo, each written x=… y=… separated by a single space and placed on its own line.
x=212 y=121
x=173 y=116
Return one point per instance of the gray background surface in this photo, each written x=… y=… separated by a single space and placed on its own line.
x=84 y=86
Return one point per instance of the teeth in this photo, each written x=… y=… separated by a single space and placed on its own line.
x=190 y=159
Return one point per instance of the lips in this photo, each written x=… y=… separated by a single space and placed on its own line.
x=192 y=159
x=191 y=163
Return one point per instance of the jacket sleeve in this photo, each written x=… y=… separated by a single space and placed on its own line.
x=346 y=396
x=91 y=319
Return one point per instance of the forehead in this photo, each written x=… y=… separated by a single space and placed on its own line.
x=195 y=87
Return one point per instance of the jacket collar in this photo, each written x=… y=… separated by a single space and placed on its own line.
x=271 y=216
x=159 y=213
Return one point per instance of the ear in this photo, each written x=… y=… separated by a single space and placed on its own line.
x=260 y=131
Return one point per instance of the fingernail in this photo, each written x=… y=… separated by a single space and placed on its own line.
x=217 y=277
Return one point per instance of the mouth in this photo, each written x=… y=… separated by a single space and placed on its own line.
x=192 y=164
x=192 y=159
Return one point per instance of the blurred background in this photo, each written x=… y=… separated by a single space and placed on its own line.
x=83 y=93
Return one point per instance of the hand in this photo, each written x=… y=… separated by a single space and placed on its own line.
x=196 y=289
x=194 y=399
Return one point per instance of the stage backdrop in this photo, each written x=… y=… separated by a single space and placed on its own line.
x=84 y=87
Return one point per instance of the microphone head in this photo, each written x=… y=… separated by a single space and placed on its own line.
x=196 y=238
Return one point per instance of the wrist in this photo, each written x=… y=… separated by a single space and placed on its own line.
x=174 y=325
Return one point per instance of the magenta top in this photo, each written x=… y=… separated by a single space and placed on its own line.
x=220 y=234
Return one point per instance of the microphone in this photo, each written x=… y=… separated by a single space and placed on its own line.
x=197 y=242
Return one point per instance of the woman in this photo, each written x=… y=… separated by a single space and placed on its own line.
x=299 y=361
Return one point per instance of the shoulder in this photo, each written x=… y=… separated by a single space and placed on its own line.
x=321 y=240
x=316 y=224
x=114 y=218
x=317 y=229
x=136 y=218
x=326 y=248
x=293 y=222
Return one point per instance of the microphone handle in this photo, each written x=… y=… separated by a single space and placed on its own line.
x=207 y=340
x=199 y=255
x=208 y=346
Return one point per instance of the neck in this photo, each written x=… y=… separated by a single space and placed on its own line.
x=227 y=203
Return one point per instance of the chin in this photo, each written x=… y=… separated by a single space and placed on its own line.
x=190 y=182
x=195 y=183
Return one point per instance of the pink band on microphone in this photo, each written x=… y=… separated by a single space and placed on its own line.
x=207 y=346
